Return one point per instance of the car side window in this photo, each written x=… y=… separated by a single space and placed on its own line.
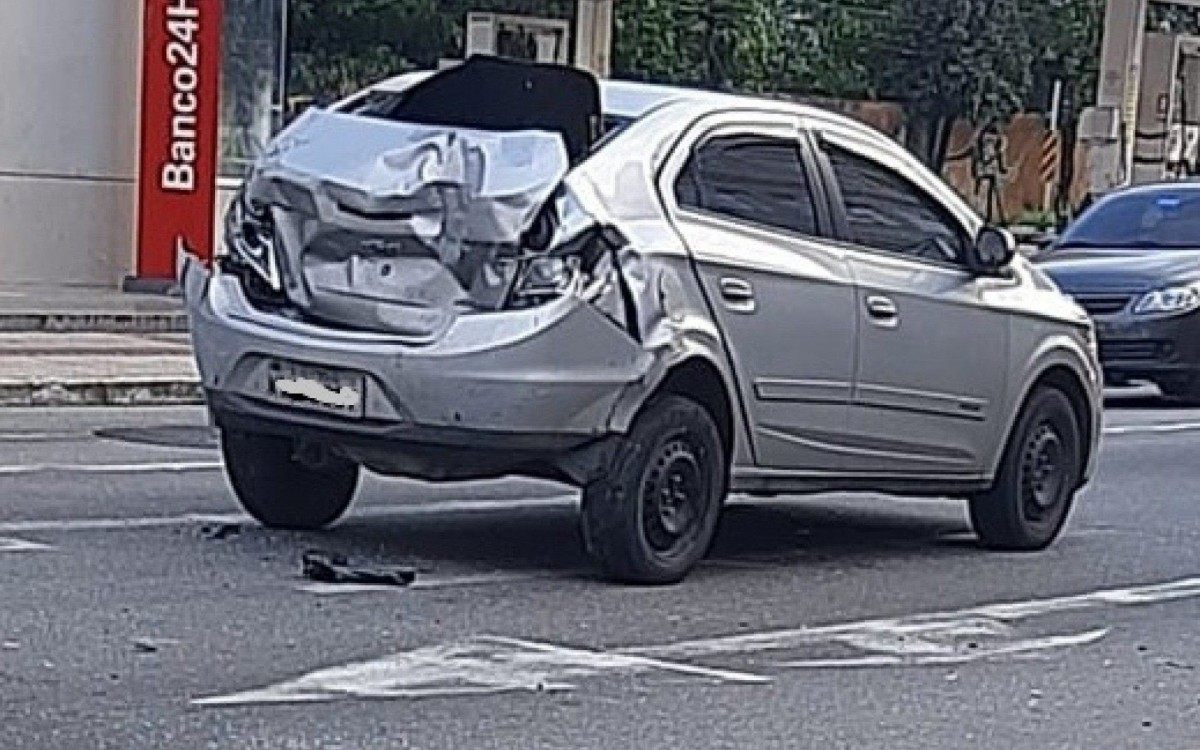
x=887 y=212
x=752 y=178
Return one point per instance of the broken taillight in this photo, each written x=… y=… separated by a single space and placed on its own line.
x=249 y=251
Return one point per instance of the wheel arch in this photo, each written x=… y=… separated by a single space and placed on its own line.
x=698 y=379
x=1060 y=373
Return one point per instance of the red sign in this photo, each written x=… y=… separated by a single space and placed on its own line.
x=181 y=68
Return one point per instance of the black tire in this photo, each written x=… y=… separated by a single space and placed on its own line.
x=653 y=514
x=281 y=492
x=1039 y=475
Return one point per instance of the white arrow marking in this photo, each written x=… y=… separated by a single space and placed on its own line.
x=482 y=665
x=982 y=620
x=489 y=664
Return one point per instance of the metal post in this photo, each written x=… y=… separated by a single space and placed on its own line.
x=284 y=61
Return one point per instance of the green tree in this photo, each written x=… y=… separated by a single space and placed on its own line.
x=720 y=44
x=835 y=44
x=339 y=46
x=1065 y=42
x=958 y=58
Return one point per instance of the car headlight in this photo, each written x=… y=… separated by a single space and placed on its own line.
x=250 y=240
x=1173 y=300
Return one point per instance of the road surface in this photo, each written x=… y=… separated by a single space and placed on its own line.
x=139 y=609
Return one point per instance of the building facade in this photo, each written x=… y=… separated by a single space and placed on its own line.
x=76 y=77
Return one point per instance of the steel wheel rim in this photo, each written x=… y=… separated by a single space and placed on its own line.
x=1043 y=473
x=674 y=495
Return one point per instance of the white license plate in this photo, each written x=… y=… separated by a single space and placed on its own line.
x=317 y=388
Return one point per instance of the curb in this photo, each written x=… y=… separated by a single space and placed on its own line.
x=99 y=322
x=144 y=392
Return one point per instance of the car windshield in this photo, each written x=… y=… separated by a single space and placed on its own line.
x=1156 y=220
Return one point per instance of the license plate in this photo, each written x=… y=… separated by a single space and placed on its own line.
x=317 y=388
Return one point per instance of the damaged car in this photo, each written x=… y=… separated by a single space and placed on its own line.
x=660 y=296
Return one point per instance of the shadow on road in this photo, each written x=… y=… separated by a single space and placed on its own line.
x=547 y=540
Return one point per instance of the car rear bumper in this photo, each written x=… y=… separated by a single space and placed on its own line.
x=497 y=390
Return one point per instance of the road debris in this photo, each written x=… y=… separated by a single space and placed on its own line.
x=326 y=567
x=144 y=645
x=221 y=531
x=1173 y=664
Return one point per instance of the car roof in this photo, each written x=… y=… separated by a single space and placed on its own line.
x=634 y=99
x=642 y=101
x=1153 y=188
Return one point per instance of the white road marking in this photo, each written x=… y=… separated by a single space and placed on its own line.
x=1152 y=429
x=22 y=545
x=491 y=664
x=339 y=589
x=899 y=654
x=398 y=511
x=119 y=524
x=28 y=437
x=478 y=666
x=176 y=467
x=987 y=619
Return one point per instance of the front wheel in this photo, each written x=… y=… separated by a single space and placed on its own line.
x=1039 y=474
x=281 y=492
x=653 y=514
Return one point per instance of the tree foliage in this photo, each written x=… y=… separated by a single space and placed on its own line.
x=942 y=58
x=962 y=58
x=721 y=44
x=338 y=46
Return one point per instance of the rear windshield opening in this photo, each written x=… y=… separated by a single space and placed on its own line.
x=489 y=93
x=385 y=105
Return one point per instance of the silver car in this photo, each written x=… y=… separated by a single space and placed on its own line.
x=660 y=296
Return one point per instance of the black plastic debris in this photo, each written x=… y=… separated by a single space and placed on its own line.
x=145 y=645
x=327 y=567
x=220 y=531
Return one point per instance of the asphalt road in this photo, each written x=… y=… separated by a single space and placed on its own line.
x=139 y=610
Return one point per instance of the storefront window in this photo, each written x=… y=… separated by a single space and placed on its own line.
x=252 y=78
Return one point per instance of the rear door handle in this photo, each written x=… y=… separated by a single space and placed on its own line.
x=738 y=294
x=737 y=290
x=883 y=311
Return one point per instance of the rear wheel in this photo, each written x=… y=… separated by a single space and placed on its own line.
x=1027 y=507
x=282 y=492
x=653 y=514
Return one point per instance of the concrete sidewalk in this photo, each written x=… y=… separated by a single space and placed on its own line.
x=74 y=309
x=83 y=346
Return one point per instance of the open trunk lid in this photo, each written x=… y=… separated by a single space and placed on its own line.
x=408 y=212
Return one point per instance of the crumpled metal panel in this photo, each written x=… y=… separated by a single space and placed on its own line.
x=397 y=227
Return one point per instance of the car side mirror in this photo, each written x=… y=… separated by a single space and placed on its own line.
x=993 y=251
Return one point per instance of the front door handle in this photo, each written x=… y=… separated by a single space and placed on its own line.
x=883 y=311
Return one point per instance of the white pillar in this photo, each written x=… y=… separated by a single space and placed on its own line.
x=1121 y=68
x=68 y=139
x=594 y=36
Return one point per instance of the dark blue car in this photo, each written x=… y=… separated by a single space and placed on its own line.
x=1133 y=262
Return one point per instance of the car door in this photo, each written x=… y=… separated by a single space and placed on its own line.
x=932 y=356
x=743 y=196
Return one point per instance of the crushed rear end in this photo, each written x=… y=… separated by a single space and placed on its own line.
x=411 y=281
